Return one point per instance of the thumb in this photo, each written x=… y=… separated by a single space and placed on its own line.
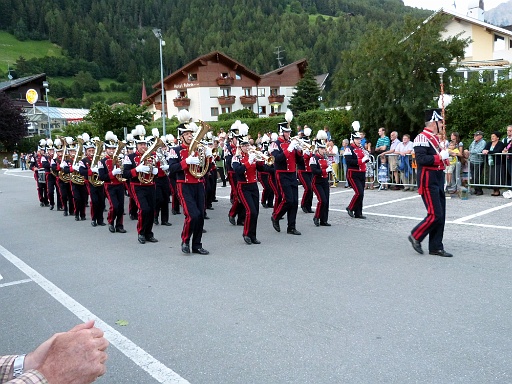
x=79 y=327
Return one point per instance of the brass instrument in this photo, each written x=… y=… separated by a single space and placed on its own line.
x=115 y=160
x=65 y=177
x=76 y=178
x=147 y=178
x=161 y=157
x=94 y=178
x=302 y=144
x=260 y=156
x=199 y=170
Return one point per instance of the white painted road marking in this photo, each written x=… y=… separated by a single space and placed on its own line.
x=148 y=363
x=15 y=283
x=463 y=219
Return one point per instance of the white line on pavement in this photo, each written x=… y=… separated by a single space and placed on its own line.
x=140 y=357
x=1 y=277
x=466 y=218
x=392 y=201
x=10 y=173
x=15 y=283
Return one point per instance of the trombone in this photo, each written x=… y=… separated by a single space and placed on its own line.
x=260 y=156
x=302 y=144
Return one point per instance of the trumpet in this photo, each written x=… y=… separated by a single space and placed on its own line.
x=302 y=144
x=260 y=156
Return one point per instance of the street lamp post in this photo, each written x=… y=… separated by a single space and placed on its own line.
x=45 y=85
x=158 y=34
x=440 y=72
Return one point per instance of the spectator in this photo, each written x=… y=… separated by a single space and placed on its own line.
x=222 y=134
x=382 y=173
x=363 y=139
x=344 y=145
x=15 y=159
x=370 y=166
x=23 y=160
x=333 y=159
x=6 y=162
x=465 y=168
x=383 y=143
x=476 y=161
x=453 y=152
x=219 y=163
x=403 y=150
x=326 y=129
x=508 y=161
x=393 y=159
x=496 y=174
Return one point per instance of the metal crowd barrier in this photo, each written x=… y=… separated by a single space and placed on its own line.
x=492 y=170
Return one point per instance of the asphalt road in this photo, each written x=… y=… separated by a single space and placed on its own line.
x=351 y=303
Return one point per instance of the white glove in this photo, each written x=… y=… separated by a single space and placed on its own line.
x=328 y=169
x=116 y=171
x=208 y=152
x=365 y=159
x=444 y=154
x=142 y=168
x=252 y=157
x=306 y=152
x=94 y=169
x=63 y=164
x=155 y=170
x=291 y=147
x=192 y=160
x=164 y=167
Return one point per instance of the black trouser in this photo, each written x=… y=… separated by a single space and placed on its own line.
x=321 y=188
x=267 y=195
x=145 y=198
x=211 y=182
x=475 y=170
x=249 y=195
x=115 y=196
x=42 y=193
x=307 y=197
x=357 y=181
x=431 y=188
x=192 y=200
x=97 y=202
x=163 y=191
x=288 y=188
x=51 y=182
x=237 y=208
x=132 y=205
x=222 y=175
x=175 y=201
x=66 y=196
x=80 y=197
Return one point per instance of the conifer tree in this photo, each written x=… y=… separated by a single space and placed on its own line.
x=306 y=95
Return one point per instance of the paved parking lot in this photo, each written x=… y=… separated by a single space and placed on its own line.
x=348 y=303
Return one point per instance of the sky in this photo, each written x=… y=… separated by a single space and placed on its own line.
x=461 y=5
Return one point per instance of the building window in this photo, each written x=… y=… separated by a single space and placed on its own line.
x=224 y=75
x=214 y=111
x=247 y=91
x=249 y=107
x=499 y=43
x=192 y=77
x=226 y=109
x=226 y=91
x=274 y=91
x=262 y=110
x=182 y=94
x=275 y=109
x=238 y=76
x=261 y=92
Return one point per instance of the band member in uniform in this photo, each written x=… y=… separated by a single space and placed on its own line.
x=356 y=158
x=431 y=161
x=162 y=183
x=244 y=164
x=143 y=193
x=36 y=166
x=111 y=175
x=51 y=179
x=211 y=175
x=78 y=188
x=64 y=169
x=54 y=165
x=286 y=155
x=266 y=176
x=236 y=214
x=132 y=205
x=190 y=189
x=305 y=176
x=97 y=192
x=320 y=169
x=175 y=199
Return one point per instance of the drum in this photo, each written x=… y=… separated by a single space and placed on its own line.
x=41 y=176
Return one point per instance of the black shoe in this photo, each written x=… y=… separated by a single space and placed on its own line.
x=275 y=224
x=41 y=204
x=60 y=209
x=264 y=205
x=206 y=217
x=350 y=213
x=360 y=217
x=248 y=240
x=102 y=224
x=304 y=209
x=173 y=212
x=155 y=221
x=52 y=207
x=240 y=223
x=232 y=220
x=151 y=239
x=479 y=193
x=310 y=210
x=166 y=223
x=93 y=223
x=65 y=213
x=185 y=248
x=316 y=220
x=46 y=204
x=270 y=205
x=215 y=200
x=416 y=245
x=133 y=217
x=204 y=230
x=83 y=218
x=77 y=218
x=201 y=251
x=142 y=239
x=255 y=241
x=111 y=228
x=293 y=231
x=210 y=208
x=441 y=253
x=326 y=224
x=121 y=230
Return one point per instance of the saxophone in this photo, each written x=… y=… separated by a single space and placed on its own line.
x=94 y=178
x=65 y=177
x=75 y=176
x=147 y=178
x=115 y=160
x=200 y=169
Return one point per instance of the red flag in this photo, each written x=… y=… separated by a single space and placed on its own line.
x=144 y=94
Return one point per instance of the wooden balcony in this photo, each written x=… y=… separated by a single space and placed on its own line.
x=181 y=102
x=225 y=80
x=248 y=99
x=275 y=99
x=226 y=100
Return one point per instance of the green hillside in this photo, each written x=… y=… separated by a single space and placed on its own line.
x=11 y=49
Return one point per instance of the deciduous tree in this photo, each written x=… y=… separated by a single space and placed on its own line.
x=13 y=125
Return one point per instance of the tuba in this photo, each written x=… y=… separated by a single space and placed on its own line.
x=147 y=178
x=94 y=178
x=115 y=160
x=76 y=178
x=200 y=169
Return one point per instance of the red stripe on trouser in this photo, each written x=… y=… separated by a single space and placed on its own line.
x=274 y=188
x=110 y=215
x=319 y=198
x=283 y=198
x=305 y=185
x=139 y=215
x=185 y=233
x=422 y=230
x=354 y=188
x=244 y=202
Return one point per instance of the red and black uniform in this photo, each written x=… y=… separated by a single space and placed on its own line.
x=144 y=195
x=97 y=193
x=305 y=176
x=236 y=205
x=51 y=183
x=68 y=203
x=192 y=196
x=114 y=190
x=163 y=192
x=285 y=165
x=36 y=165
x=248 y=191
x=431 y=188
x=210 y=182
x=320 y=186
x=80 y=194
x=62 y=204
x=356 y=174
x=266 y=178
